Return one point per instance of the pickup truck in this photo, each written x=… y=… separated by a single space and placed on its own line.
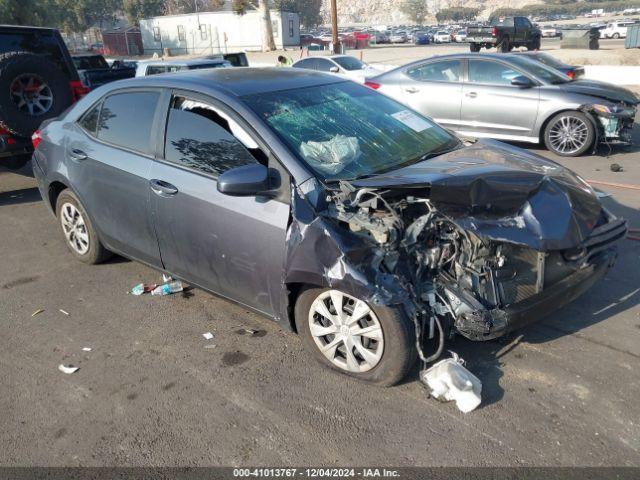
x=94 y=70
x=504 y=33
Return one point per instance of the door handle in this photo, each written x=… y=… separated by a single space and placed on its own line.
x=412 y=90
x=471 y=94
x=77 y=154
x=162 y=188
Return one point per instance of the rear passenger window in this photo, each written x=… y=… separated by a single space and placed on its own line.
x=126 y=120
x=201 y=137
x=89 y=121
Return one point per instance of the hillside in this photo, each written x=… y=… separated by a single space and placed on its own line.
x=388 y=12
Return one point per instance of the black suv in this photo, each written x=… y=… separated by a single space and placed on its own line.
x=38 y=81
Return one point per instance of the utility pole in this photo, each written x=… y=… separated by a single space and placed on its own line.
x=334 y=27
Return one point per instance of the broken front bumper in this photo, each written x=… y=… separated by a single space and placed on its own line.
x=600 y=255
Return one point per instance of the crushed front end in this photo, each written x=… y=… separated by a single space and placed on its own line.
x=471 y=243
x=614 y=122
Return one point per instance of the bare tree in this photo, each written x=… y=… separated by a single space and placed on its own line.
x=240 y=7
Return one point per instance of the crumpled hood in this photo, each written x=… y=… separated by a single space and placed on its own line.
x=503 y=193
x=604 y=90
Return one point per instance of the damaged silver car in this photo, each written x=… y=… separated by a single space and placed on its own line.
x=513 y=97
x=335 y=210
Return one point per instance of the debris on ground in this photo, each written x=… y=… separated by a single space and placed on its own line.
x=37 y=312
x=211 y=345
x=208 y=335
x=448 y=380
x=166 y=278
x=634 y=237
x=64 y=312
x=68 y=369
x=86 y=349
x=615 y=167
x=602 y=194
x=168 y=288
x=143 y=288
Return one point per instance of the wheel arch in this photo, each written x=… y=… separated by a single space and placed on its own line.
x=550 y=115
x=55 y=188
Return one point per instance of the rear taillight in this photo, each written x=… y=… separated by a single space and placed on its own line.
x=4 y=131
x=36 y=138
x=494 y=32
x=78 y=90
x=373 y=85
x=571 y=74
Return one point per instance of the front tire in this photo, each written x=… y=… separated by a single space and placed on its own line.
x=569 y=134
x=373 y=344
x=535 y=44
x=505 y=46
x=80 y=236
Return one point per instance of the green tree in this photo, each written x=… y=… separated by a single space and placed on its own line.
x=416 y=10
x=136 y=10
x=177 y=7
x=308 y=10
x=457 y=14
x=30 y=12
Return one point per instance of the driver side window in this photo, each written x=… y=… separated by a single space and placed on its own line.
x=204 y=138
x=492 y=73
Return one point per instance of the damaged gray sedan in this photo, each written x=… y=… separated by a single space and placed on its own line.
x=370 y=230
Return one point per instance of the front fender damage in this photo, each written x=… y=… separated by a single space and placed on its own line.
x=459 y=263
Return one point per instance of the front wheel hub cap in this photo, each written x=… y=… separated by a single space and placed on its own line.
x=346 y=331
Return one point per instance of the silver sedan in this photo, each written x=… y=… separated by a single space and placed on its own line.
x=509 y=97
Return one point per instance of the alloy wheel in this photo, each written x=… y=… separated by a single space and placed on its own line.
x=74 y=228
x=568 y=134
x=346 y=331
x=31 y=94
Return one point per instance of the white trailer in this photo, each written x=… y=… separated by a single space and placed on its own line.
x=216 y=32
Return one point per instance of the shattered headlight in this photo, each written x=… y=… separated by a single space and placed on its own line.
x=601 y=108
x=619 y=110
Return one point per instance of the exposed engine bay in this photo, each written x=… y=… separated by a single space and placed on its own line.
x=476 y=242
x=457 y=282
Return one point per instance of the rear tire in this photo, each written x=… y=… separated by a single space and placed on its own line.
x=80 y=236
x=16 y=162
x=474 y=47
x=386 y=357
x=615 y=36
x=569 y=134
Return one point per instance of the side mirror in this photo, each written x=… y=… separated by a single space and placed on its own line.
x=244 y=181
x=334 y=69
x=522 y=81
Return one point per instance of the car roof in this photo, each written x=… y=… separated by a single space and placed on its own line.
x=235 y=81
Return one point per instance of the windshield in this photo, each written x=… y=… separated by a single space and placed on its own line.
x=344 y=131
x=539 y=70
x=349 y=63
x=209 y=65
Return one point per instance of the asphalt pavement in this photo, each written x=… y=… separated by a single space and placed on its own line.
x=153 y=391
